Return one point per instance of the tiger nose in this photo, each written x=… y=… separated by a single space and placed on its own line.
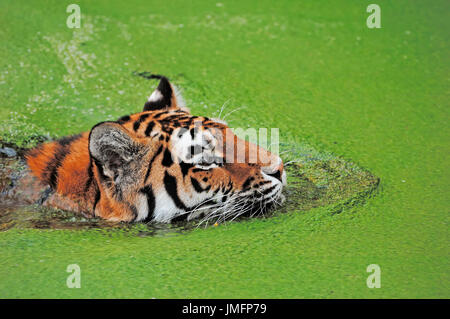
x=275 y=169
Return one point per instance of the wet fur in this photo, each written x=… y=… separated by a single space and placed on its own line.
x=123 y=170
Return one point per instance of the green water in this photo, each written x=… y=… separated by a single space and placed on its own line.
x=378 y=97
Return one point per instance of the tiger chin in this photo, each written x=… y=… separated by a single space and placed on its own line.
x=162 y=164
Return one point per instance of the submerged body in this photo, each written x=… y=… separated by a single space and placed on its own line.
x=161 y=164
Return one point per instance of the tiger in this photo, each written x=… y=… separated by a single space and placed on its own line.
x=159 y=165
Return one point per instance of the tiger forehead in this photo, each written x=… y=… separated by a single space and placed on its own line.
x=144 y=123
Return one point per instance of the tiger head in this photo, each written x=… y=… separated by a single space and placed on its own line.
x=164 y=164
x=172 y=164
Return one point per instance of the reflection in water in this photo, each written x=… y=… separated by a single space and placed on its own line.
x=314 y=179
x=38 y=217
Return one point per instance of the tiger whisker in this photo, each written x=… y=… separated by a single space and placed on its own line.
x=237 y=109
x=223 y=108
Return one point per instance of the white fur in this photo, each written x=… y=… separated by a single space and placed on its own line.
x=165 y=208
x=155 y=96
x=273 y=167
x=142 y=207
x=181 y=145
x=215 y=119
x=274 y=182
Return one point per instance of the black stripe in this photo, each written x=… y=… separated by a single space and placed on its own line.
x=167 y=128
x=133 y=210
x=124 y=119
x=277 y=175
x=179 y=218
x=141 y=119
x=53 y=179
x=62 y=150
x=264 y=183
x=136 y=125
x=148 y=191
x=185 y=168
x=193 y=131
x=246 y=184
x=195 y=149
x=151 y=162
x=153 y=105
x=66 y=141
x=149 y=128
x=198 y=188
x=171 y=118
x=158 y=115
x=167 y=160
x=228 y=190
x=90 y=176
x=267 y=191
x=97 y=199
x=170 y=183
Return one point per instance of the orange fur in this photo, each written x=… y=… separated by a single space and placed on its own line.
x=85 y=184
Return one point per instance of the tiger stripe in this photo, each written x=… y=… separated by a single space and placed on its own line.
x=124 y=170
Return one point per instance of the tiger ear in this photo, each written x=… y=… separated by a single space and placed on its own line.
x=112 y=149
x=165 y=96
